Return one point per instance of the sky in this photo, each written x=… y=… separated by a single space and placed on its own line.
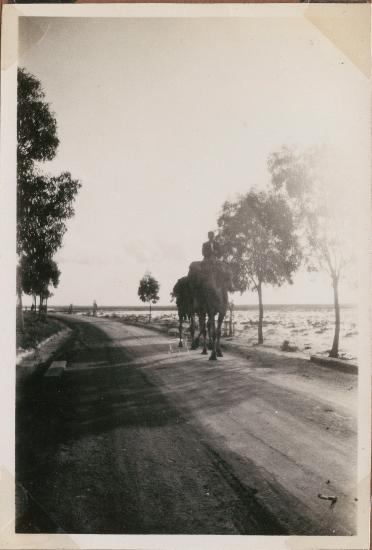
x=163 y=119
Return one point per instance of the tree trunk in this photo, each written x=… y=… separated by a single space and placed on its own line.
x=46 y=306
x=261 y=313
x=40 y=304
x=19 y=308
x=150 y=313
x=336 y=337
x=21 y=323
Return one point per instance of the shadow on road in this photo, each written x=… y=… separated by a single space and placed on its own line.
x=110 y=451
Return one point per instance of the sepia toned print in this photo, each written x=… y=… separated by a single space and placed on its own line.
x=191 y=224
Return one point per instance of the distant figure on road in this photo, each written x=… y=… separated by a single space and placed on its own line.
x=95 y=307
x=70 y=309
x=211 y=249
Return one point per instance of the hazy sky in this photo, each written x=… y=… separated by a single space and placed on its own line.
x=163 y=119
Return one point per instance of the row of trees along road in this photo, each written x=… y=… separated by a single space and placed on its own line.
x=44 y=202
x=304 y=216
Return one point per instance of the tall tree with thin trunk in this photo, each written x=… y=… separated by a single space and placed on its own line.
x=43 y=202
x=316 y=182
x=37 y=141
x=148 y=290
x=259 y=242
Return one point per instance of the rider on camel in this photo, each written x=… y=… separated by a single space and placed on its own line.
x=211 y=249
x=200 y=272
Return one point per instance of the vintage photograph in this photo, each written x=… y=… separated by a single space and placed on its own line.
x=192 y=217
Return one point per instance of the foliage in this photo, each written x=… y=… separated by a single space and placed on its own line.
x=148 y=289
x=318 y=185
x=259 y=240
x=37 y=275
x=36 y=124
x=292 y=171
x=44 y=202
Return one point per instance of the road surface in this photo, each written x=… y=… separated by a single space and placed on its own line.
x=142 y=437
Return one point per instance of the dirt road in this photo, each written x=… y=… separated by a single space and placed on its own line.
x=141 y=437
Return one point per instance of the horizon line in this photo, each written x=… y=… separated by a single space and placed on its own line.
x=173 y=306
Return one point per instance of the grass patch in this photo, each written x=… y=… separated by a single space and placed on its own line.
x=35 y=330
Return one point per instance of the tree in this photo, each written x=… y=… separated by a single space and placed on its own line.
x=259 y=242
x=26 y=278
x=148 y=290
x=37 y=276
x=48 y=274
x=37 y=141
x=318 y=185
x=36 y=124
x=43 y=202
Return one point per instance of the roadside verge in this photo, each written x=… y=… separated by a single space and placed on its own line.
x=39 y=360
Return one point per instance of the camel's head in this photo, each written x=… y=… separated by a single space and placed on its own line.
x=181 y=290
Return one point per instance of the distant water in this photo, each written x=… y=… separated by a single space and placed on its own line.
x=308 y=327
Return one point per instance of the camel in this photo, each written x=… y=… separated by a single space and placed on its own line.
x=185 y=307
x=210 y=282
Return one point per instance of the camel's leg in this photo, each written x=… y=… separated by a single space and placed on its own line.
x=180 y=343
x=194 y=341
x=210 y=344
x=212 y=327
x=203 y=331
x=219 y=325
